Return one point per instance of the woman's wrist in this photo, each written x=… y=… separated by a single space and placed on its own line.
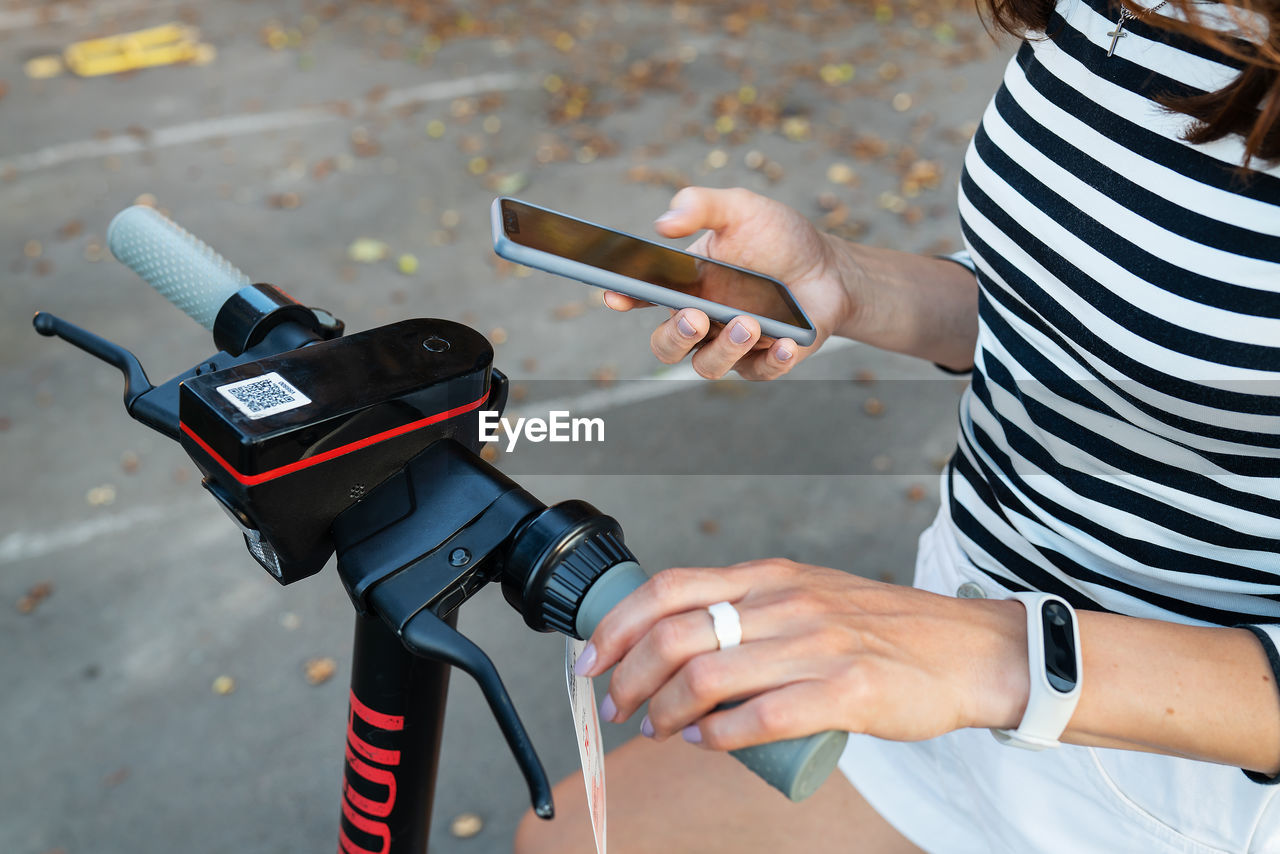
x=857 y=318
x=1203 y=692
x=999 y=682
x=913 y=304
x=1200 y=692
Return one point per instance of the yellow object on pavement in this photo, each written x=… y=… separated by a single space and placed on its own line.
x=164 y=45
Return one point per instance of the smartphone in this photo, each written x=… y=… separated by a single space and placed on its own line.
x=649 y=271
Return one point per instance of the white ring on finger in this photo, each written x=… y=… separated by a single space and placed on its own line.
x=726 y=624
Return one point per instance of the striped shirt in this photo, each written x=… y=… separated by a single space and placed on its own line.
x=1120 y=441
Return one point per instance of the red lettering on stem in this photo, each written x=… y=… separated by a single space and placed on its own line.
x=362 y=812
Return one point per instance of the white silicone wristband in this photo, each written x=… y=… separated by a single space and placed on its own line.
x=1048 y=709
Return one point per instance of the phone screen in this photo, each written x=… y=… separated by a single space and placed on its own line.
x=649 y=262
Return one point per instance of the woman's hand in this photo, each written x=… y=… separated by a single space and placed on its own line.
x=914 y=304
x=821 y=649
x=750 y=231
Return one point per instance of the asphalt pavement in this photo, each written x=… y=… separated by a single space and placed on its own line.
x=160 y=691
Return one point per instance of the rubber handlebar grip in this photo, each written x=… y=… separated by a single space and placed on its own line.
x=179 y=265
x=796 y=766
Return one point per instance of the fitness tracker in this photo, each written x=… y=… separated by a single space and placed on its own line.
x=1053 y=653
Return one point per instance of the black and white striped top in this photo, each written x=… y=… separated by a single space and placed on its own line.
x=1120 y=443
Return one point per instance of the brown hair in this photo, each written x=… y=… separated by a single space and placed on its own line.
x=1248 y=106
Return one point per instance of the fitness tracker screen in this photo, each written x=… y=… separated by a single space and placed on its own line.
x=1059 y=647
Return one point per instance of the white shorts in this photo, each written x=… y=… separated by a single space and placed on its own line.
x=963 y=792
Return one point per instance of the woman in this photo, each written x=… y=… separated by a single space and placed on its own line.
x=1119 y=447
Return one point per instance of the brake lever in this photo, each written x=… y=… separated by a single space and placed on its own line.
x=136 y=383
x=431 y=637
x=422 y=543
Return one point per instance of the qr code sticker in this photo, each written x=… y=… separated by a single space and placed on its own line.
x=258 y=397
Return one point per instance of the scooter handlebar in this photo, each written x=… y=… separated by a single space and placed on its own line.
x=180 y=266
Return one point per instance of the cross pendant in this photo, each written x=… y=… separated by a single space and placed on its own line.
x=1116 y=35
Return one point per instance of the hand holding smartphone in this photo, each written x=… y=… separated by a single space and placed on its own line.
x=644 y=269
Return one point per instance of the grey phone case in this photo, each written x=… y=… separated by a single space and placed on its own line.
x=647 y=291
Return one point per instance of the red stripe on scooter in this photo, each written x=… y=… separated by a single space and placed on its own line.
x=255 y=479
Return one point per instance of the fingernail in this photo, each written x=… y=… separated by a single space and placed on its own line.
x=784 y=355
x=608 y=710
x=646 y=727
x=670 y=215
x=692 y=734
x=739 y=334
x=686 y=328
x=586 y=661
